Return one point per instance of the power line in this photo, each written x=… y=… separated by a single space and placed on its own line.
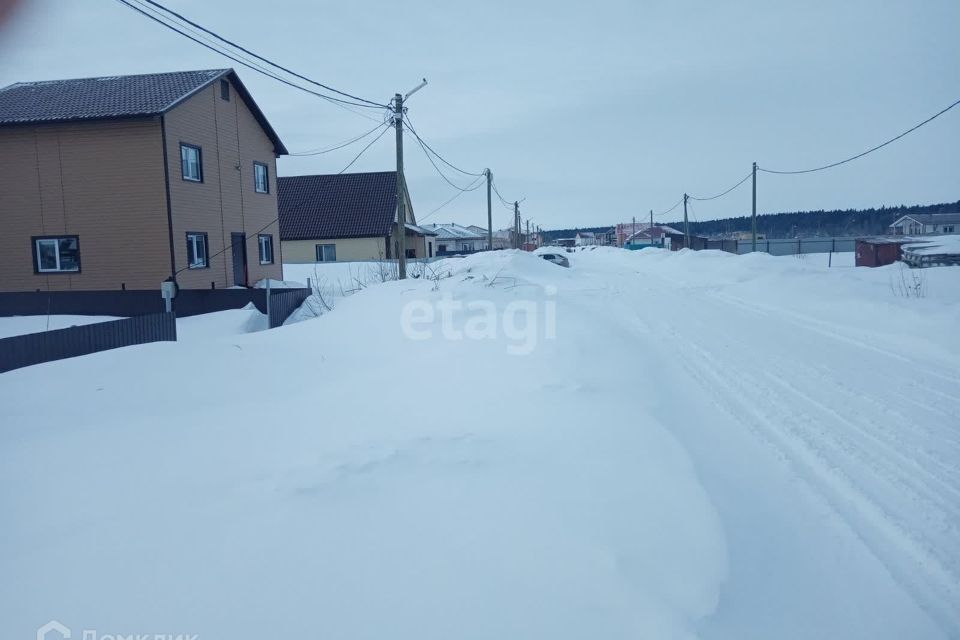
x=423 y=143
x=437 y=169
x=478 y=183
x=258 y=231
x=370 y=103
x=720 y=195
x=663 y=213
x=321 y=151
x=241 y=61
x=868 y=151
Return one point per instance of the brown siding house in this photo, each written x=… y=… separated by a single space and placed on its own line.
x=126 y=181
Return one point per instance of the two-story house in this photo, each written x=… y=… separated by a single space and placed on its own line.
x=124 y=181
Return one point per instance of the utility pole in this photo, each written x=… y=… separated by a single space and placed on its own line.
x=516 y=224
x=489 y=212
x=754 y=219
x=527 y=239
x=401 y=199
x=686 y=224
x=651 y=219
x=401 y=194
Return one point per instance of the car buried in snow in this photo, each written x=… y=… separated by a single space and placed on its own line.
x=556 y=258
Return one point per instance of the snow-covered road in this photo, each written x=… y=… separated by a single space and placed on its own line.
x=645 y=445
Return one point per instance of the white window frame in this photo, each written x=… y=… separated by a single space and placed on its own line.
x=192 y=242
x=256 y=177
x=186 y=147
x=265 y=240
x=55 y=240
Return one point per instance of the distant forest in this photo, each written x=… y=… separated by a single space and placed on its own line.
x=799 y=224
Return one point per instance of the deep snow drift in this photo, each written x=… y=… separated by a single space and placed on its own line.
x=645 y=445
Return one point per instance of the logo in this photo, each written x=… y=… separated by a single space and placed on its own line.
x=46 y=632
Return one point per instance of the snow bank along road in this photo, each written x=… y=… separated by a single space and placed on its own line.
x=646 y=445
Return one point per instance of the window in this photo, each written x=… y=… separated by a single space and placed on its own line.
x=197 y=250
x=224 y=90
x=190 y=163
x=326 y=253
x=948 y=228
x=261 y=179
x=266 y=249
x=56 y=254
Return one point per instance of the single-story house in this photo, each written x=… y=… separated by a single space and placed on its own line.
x=919 y=224
x=124 y=181
x=585 y=239
x=650 y=236
x=453 y=238
x=346 y=218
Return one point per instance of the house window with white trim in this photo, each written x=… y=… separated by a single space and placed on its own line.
x=191 y=164
x=326 y=253
x=197 y=250
x=266 y=248
x=261 y=178
x=59 y=254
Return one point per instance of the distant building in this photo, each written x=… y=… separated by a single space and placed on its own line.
x=585 y=239
x=455 y=238
x=921 y=224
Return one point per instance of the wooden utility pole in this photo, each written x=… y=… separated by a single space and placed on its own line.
x=516 y=224
x=753 y=223
x=686 y=224
x=489 y=212
x=651 y=219
x=401 y=197
x=526 y=239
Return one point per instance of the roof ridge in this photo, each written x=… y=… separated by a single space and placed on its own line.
x=110 y=77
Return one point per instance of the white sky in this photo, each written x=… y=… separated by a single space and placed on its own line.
x=593 y=111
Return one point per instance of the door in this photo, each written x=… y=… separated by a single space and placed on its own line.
x=239 y=242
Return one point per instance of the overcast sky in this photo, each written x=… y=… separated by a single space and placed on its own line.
x=593 y=111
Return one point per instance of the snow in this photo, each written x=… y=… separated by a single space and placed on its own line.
x=708 y=445
x=935 y=245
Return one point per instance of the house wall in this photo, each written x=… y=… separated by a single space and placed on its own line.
x=101 y=181
x=348 y=250
x=225 y=202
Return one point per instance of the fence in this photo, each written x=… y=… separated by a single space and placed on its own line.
x=34 y=348
x=794 y=246
x=283 y=302
x=126 y=303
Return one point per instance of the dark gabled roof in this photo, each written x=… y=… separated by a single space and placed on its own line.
x=349 y=205
x=115 y=97
x=932 y=218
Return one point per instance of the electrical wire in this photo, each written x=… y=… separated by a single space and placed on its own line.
x=321 y=151
x=440 y=157
x=663 y=213
x=868 y=151
x=241 y=61
x=720 y=195
x=179 y=16
x=437 y=168
x=258 y=231
x=455 y=196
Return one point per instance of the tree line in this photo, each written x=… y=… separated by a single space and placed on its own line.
x=796 y=224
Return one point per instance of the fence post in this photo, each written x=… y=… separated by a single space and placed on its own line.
x=269 y=321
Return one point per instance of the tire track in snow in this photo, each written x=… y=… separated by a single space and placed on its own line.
x=933 y=585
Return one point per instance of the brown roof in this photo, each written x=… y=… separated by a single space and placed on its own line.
x=115 y=97
x=349 y=205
